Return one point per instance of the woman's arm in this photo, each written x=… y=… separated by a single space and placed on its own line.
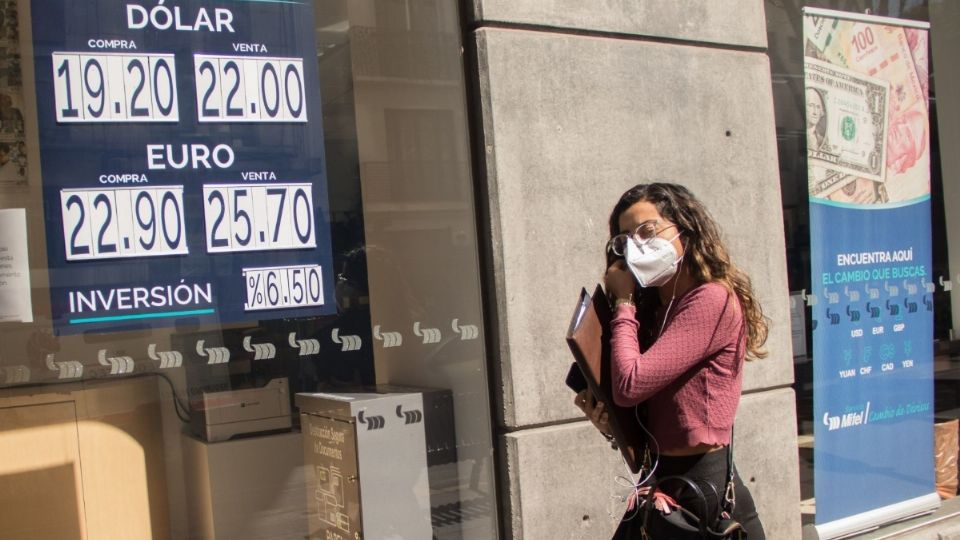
x=702 y=324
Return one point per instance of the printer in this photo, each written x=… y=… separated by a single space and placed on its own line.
x=223 y=415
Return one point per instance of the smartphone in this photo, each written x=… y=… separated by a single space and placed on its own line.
x=575 y=379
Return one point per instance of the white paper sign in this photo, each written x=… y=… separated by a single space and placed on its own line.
x=15 y=301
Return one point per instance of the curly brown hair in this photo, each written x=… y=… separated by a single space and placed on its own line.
x=708 y=261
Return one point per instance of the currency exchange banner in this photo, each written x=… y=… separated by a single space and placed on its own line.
x=869 y=186
x=183 y=162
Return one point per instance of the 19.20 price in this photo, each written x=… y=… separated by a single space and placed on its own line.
x=115 y=87
x=123 y=222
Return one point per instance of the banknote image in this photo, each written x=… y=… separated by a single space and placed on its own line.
x=907 y=142
x=810 y=50
x=917 y=40
x=878 y=51
x=854 y=122
x=908 y=155
x=823 y=182
x=819 y=32
x=860 y=191
x=816 y=120
x=844 y=61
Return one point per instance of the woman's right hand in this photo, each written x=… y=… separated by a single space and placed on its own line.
x=594 y=410
x=618 y=281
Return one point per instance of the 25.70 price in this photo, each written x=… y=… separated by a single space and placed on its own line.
x=123 y=222
x=243 y=217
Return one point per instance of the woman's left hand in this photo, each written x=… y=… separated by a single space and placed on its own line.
x=594 y=410
x=619 y=281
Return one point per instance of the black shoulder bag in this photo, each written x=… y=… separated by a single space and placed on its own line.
x=682 y=523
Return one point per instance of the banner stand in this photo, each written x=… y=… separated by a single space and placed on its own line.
x=867 y=521
x=868 y=161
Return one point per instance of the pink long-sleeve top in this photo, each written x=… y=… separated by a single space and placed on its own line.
x=691 y=375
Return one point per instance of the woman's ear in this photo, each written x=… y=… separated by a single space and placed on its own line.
x=686 y=238
x=683 y=244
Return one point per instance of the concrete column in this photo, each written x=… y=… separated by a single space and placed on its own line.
x=578 y=101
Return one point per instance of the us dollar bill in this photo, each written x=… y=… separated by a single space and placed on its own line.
x=846 y=125
x=861 y=191
x=823 y=182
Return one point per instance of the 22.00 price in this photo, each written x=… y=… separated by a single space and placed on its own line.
x=249 y=89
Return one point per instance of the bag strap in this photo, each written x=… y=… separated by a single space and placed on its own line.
x=729 y=496
x=729 y=501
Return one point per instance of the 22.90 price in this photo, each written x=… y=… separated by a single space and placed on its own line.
x=123 y=222
x=249 y=89
x=115 y=87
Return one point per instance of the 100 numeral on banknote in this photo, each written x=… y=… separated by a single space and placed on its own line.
x=846 y=126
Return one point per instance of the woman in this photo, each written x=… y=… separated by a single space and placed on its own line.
x=684 y=320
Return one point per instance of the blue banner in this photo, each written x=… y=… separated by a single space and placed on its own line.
x=183 y=164
x=868 y=162
x=872 y=357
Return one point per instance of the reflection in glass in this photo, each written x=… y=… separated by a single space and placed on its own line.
x=797 y=121
x=171 y=419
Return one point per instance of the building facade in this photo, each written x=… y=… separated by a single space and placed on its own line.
x=393 y=224
x=577 y=105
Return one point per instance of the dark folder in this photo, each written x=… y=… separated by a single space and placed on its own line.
x=589 y=340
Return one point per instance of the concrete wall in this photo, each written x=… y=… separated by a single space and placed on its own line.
x=577 y=102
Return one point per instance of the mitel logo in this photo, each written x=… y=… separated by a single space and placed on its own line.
x=850 y=418
x=410 y=417
x=372 y=422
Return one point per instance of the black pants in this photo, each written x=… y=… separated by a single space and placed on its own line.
x=703 y=468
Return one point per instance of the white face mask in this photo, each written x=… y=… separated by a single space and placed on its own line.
x=653 y=262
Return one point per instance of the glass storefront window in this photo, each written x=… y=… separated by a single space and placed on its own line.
x=786 y=52
x=287 y=209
